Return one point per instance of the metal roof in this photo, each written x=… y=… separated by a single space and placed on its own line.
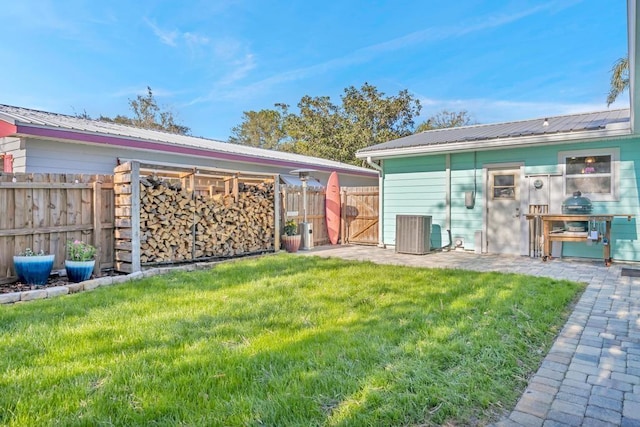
x=568 y=126
x=59 y=126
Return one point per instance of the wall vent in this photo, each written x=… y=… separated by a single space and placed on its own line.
x=413 y=234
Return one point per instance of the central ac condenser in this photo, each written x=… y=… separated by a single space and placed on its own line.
x=413 y=234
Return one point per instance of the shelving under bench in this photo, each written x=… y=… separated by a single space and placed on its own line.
x=559 y=234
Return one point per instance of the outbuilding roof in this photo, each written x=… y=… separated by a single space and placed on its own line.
x=503 y=135
x=20 y=121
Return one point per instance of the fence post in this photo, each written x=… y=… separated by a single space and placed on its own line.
x=97 y=224
x=192 y=184
x=135 y=216
x=127 y=233
x=276 y=213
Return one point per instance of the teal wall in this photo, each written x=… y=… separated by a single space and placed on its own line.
x=416 y=185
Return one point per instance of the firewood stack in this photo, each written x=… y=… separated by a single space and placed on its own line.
x=176 y=225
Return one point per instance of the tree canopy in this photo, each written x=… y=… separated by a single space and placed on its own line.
x=148 y=115
x=446 y=119
x=365 y=116
x=262 y=129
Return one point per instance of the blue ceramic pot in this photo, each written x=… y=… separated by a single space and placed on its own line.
x=33 y=270
x=79 y=271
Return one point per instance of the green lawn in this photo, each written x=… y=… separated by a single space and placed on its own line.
x=281 y=340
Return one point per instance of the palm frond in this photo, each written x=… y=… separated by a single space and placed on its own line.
x=619 y=79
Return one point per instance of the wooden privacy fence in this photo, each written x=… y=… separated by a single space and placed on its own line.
x=292 y=208
x=145 y=216
x=44 y=211
x=178 y=214
x=359 y=212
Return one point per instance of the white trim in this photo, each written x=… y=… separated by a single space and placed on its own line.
x=493 y=144
x=380 y=169
x=614 y=152
x=634 y=73
x=505 y=165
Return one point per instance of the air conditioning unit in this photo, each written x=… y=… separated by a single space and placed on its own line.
x=413 y=234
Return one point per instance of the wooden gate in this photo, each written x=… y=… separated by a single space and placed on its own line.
x=360 y=215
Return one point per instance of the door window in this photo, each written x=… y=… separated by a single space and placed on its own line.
x=504 y=186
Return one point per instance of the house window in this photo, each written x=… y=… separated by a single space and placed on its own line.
x=592 y=172
x=504 y=186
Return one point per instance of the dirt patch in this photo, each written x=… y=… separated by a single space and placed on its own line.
x=54 y=280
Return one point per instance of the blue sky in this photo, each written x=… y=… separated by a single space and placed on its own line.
x=208 y=61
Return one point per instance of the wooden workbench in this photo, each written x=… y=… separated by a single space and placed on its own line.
x=551 y=235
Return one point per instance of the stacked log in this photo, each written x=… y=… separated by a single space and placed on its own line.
x=178 y=225
x=166 y=218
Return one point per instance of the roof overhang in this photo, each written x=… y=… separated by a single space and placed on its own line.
x=22 y=130
x=497 y=143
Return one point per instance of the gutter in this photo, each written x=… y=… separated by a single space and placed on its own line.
x=377 y=167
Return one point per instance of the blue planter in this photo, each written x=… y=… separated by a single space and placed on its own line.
x=79 y=271
x=33 y=270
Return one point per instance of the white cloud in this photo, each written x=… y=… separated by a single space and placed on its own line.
x=174 y=37
x=462 y=29
x=369 y=53
x=240 y=69
x=166 y=37
x=227 y=48
x=193 y=39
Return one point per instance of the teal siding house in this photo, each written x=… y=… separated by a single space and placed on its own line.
x=481 y=182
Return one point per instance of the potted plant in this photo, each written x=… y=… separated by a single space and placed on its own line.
x=80 y=260
x=291 y=237
x=33 y=268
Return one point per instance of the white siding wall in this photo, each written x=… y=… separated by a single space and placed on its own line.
x=64 y=157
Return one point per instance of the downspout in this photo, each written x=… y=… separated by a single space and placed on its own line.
x=377 y=167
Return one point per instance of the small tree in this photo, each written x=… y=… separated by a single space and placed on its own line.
x=147 y=115
x=263 y=129
x=446 y=119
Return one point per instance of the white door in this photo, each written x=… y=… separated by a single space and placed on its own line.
x=503 y=211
